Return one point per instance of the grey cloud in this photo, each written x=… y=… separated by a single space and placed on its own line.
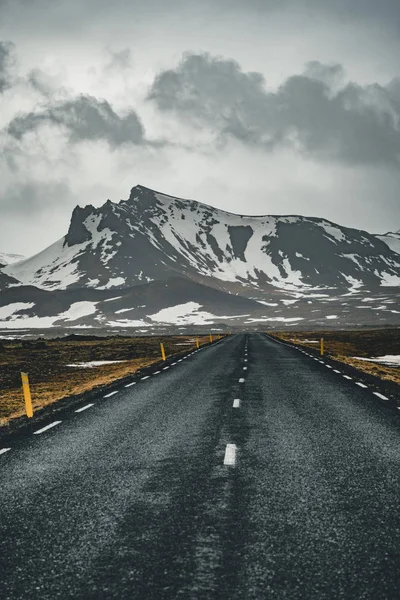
x=33 y=197
x=85 y=118
x=42 y=83
x=350 y=123
x=6 y=61
x=121 y=60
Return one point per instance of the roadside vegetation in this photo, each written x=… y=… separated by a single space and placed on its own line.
x=51 y=378
x=345 y=345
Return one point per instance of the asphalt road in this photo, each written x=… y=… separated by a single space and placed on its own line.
x=195 y=484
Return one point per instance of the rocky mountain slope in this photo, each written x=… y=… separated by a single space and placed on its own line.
x=392 y=240
x=152 y=236
x=156 y=261
x=179 y=302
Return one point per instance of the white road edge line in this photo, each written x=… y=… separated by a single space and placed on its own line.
x=47 y=427
x=230 y=455
x=84 y=408
x=109 y=395
x=381 y=396
x=4 y=450
x=236 y=403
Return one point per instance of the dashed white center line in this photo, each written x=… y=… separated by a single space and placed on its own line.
x=4 y=450
x=245 y=360
x=165 y=368
x=329 y=367
x=47 y=427
x=244 y=368
x=361 y=384
x=241 y=380
x=381 y=396
x=230 y=455
x=156 y=372
x=172 y=364
x=143 y=378
x=236 y=403
x=109 y=395
x=336 y=371
x=130 y=384
x=347 y=377
x=84 y=408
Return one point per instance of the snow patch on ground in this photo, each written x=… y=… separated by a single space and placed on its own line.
x=390 y=280
x=111 y=299
x=392 y=360
x=77 y=310
x=8 y=310
x=95 y=363
x=113 y=282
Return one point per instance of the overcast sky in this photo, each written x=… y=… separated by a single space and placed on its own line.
x=253 y=106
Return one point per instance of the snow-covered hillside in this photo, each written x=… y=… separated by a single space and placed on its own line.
x=7 y=259
x=153 y=236
x=392 y=240
x=179 y=302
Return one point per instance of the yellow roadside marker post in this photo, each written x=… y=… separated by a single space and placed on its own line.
x=197 y=343
x=322 y=346
x=162 y=351
x=27 y=395
x=211 y=337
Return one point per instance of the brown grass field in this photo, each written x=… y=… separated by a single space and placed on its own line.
x=344 y=345
x=50 y=377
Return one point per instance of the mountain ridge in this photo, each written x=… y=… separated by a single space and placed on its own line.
x=153 y=236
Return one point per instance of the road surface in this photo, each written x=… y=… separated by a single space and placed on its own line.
x=247 y=470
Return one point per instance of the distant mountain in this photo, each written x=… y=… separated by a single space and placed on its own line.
x=180 y=303
x=153 y=237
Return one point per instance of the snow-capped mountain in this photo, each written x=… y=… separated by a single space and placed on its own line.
x=153 y=236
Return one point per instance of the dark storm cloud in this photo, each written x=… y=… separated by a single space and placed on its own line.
x=349 y=123
x=6 y=61
x=85 y=118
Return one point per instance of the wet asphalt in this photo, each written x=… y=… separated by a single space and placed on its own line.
x=130 y=498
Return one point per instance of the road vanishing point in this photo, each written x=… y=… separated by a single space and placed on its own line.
x=209 y=480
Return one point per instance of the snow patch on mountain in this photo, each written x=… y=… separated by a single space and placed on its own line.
x=8 y=259
x=54 y=268
x=391 y=239
x=153 y=236
x=10 y=309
